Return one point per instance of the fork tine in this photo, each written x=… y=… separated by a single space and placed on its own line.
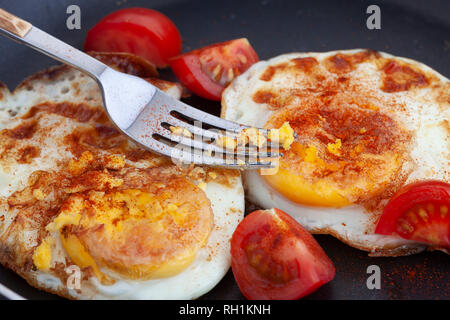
x=166 y=105
x=212 y=134
x=150 y=124
x=199 y=144
x=201 y=159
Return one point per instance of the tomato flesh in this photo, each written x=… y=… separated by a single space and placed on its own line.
x=207 y=71
x=419 y=212
x=274 y=257
x=144 y=32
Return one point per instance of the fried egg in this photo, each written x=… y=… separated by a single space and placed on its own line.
x=366 y=124
x=86 y=214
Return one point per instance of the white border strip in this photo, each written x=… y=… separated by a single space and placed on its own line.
x=8 y=293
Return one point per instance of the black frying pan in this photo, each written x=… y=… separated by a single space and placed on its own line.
x=415 y=29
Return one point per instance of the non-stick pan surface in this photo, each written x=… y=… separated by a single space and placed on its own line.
x=415 y=29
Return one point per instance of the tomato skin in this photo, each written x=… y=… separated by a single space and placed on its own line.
x=401 y=215
x=195 y=69
x=144 y=32
x=289 y=263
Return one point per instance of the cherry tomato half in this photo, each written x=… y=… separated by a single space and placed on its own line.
x=207 y=71
x=274 y=257
x=144 y=32
x=419 y=211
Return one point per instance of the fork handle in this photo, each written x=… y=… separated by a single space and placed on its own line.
x=13 y=24
x=24 y=32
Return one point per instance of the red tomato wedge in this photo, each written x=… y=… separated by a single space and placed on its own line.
x=144 y=32
x=419 y=211
x=274 y=257
x=207 y=71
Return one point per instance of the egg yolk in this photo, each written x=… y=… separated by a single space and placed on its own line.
x=297 y=188
x=42 y=256
x=341 y=155
x=79 y=255
x=284 y=135
x=139 y=234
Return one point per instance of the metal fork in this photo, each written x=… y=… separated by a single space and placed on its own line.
x=143 y=112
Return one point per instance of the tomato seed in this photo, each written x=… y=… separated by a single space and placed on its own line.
x=412 y=217
x=216 y=72
x=242 y=58
x=444 y=211
x=423 y=214
x=230 y=74
x=404 y=226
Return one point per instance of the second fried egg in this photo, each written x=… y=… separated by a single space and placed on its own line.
x=366 y=124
